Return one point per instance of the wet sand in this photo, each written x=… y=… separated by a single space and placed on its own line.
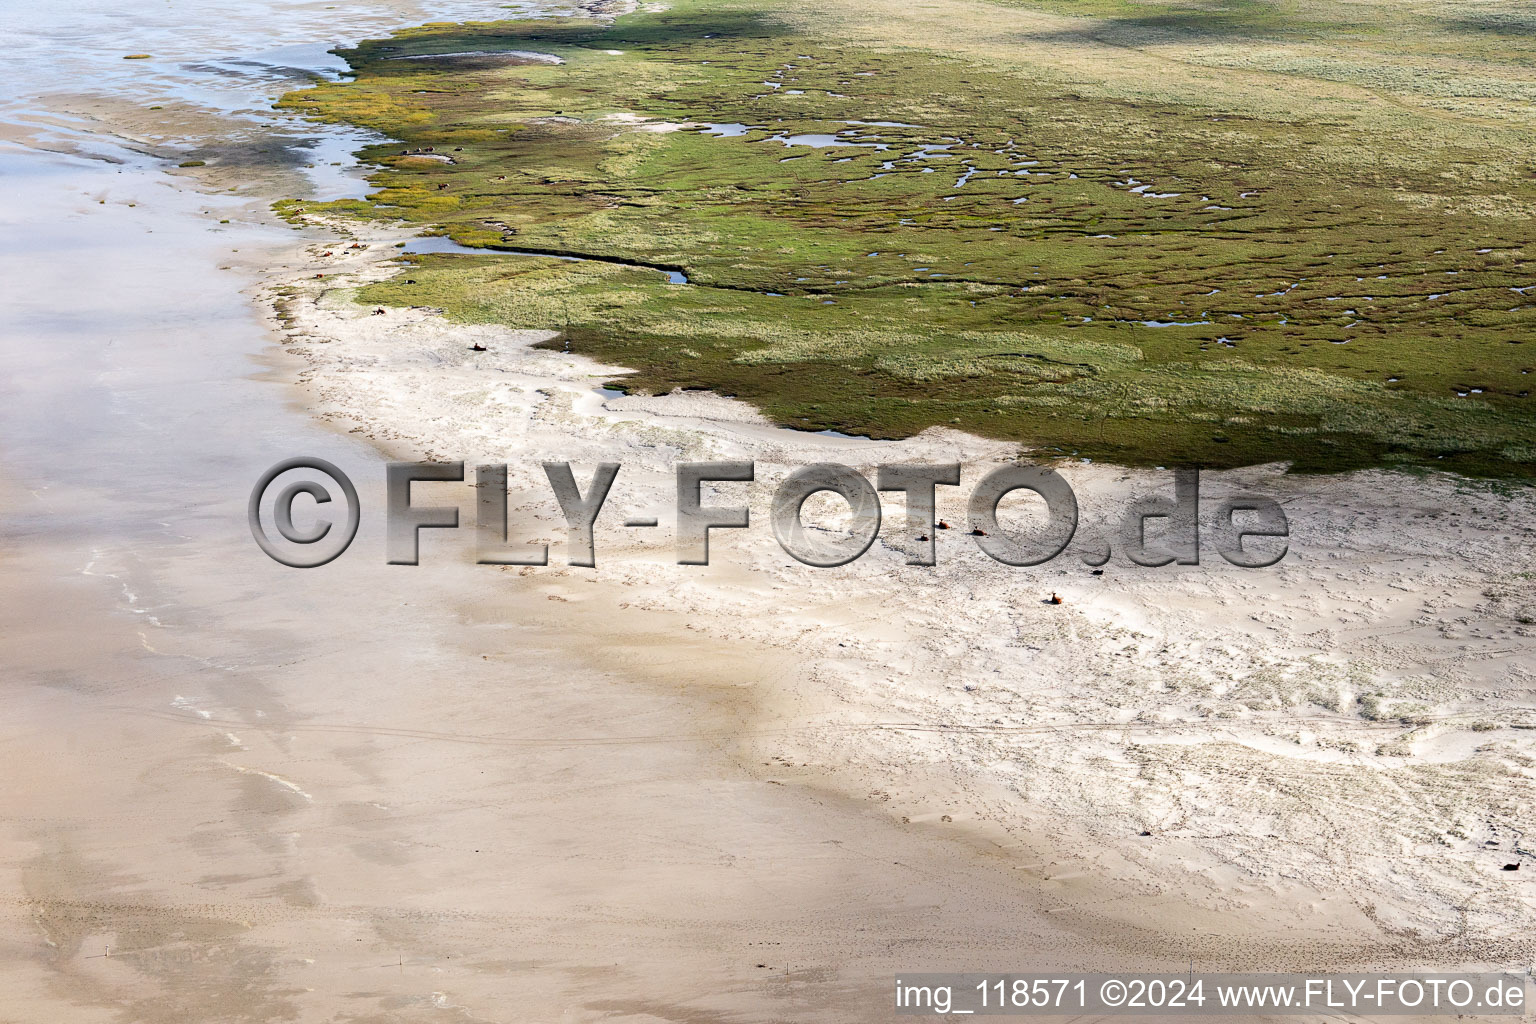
x=392 y=809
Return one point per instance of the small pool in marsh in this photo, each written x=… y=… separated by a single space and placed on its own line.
x=818 y=140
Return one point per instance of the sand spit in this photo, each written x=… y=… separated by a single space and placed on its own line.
x=1348 y=736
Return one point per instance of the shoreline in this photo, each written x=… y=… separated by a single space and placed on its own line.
x=256 y=787
x=354 y=368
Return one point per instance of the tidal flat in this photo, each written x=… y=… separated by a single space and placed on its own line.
x=1144 y=233
x=755 y=791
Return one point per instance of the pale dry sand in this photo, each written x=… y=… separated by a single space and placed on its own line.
x=1261 y=766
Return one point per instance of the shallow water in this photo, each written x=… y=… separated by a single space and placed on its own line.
x=224 y=57
x=821 y=141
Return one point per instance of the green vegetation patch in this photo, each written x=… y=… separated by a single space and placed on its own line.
x=877 y=239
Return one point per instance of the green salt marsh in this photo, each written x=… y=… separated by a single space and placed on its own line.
x=1157 y=235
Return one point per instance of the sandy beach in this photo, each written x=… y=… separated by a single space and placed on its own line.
x=1187 y=729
